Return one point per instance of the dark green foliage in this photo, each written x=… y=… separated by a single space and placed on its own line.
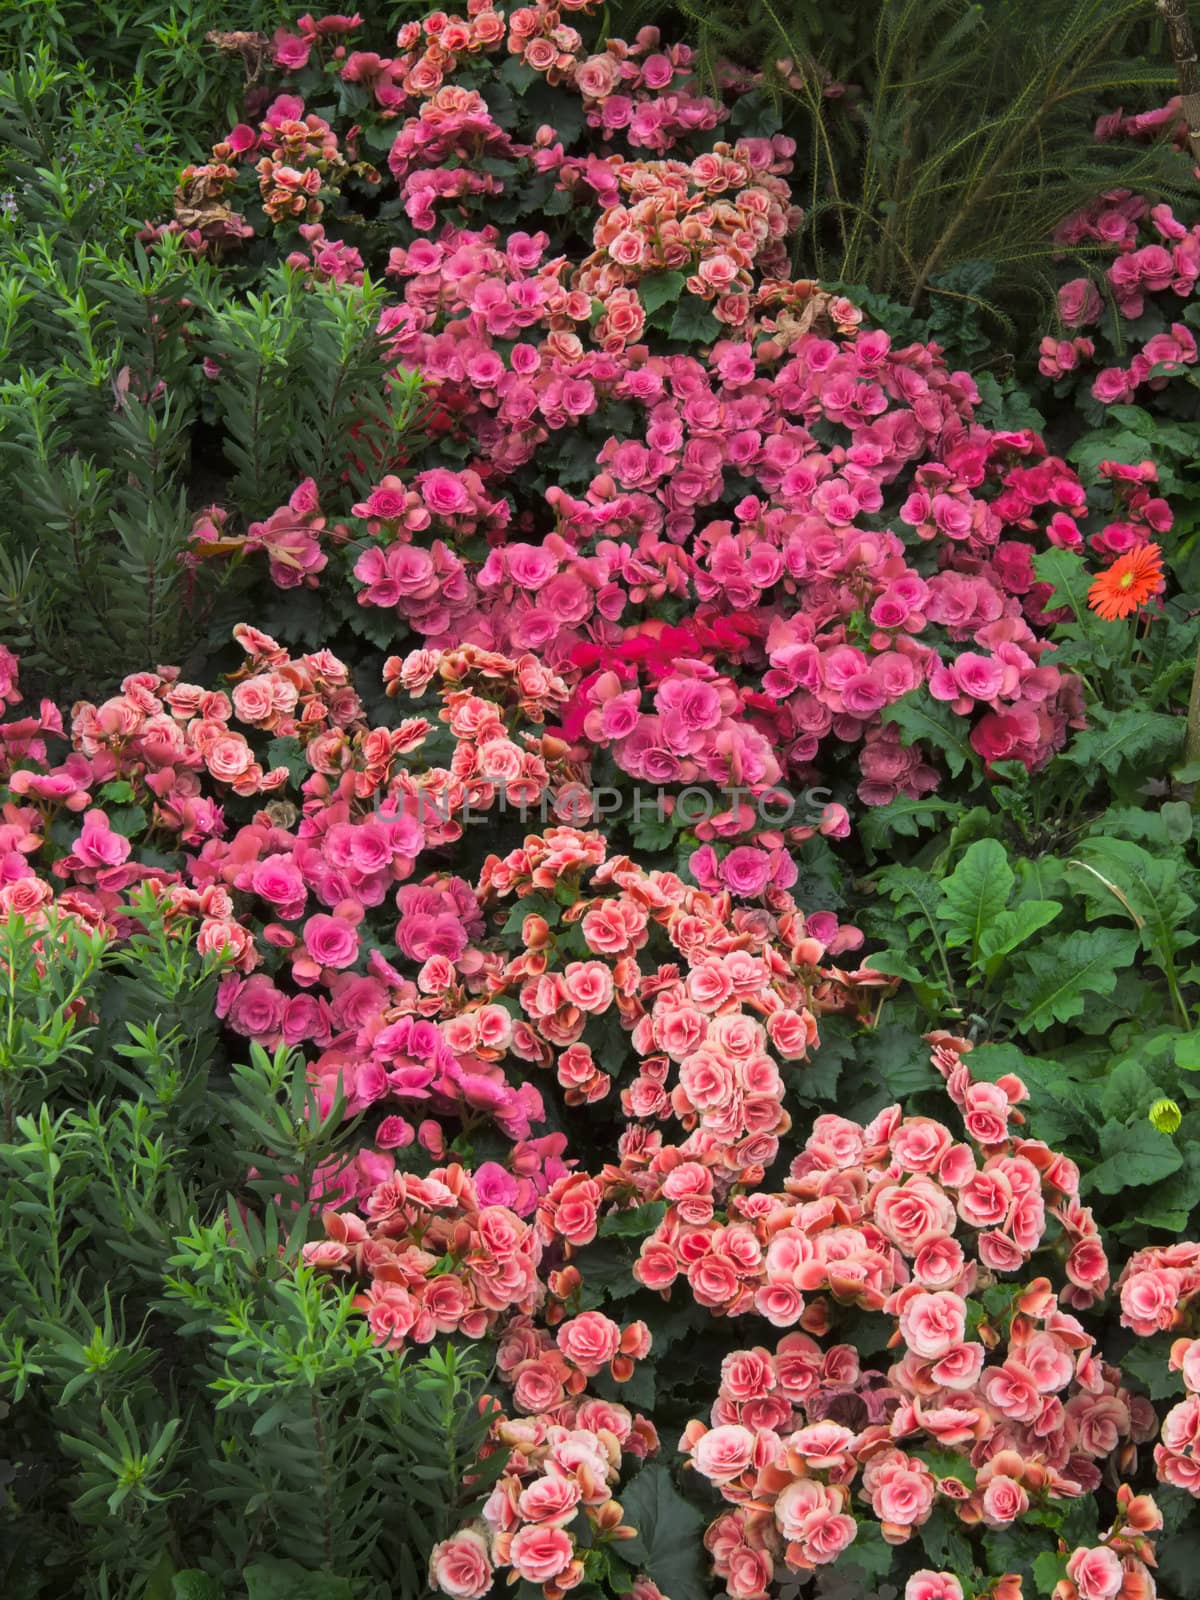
x=182 y=1397
x=939 y=141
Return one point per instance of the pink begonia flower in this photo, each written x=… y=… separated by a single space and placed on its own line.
x=330 y=941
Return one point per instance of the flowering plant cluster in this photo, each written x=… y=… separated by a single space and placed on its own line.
x=772 y=539
x=561 y=1459
x=1008 y=1385
x=1157 y=1288
x=432 y=1018
x=780 y=1256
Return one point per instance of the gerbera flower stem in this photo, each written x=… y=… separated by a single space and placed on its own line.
x=1191 y=745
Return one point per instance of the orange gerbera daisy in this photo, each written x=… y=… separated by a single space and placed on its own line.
x=1131 y=580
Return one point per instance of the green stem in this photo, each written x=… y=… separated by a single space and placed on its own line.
x=1191 y=746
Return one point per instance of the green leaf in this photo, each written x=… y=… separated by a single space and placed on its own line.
x=870 y=1552
x=945 y=1542
x=755 y=115
x=531 y=905
x=1071 y=580
x=1017 y=1547
x=517 y=75
x=1179 y=821
x=607 y=1270
x=1179 y=1561
x=920 y=718
x=1170 y=1205
x=636 y=1391
x=975 y=893
x=288 y=753
x=896 y=965
x=127 y=820
x=904 y=818
x=1128 y=1092
x=814 y=1082
x=1133 y=1157
x=658 y=289
x=634 y=1223
x=1148 y=1361
x=694 y=323
x=1009 y=929
x=1147 y=888
x=1041 y=878
x=896 y=1056
x=195 y=1585
x=1051 y=982
x=652 y=834
x=1048 y=1568
x=270 y=1579
x=1146 y=737
x=669 y=1546
x=948 y=1464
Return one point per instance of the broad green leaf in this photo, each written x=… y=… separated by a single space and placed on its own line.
x=895 y=965
x=270 y=1579
x=992 y=1061
x=1178 y=1562
x=1042 y=878
x=659 y=288
x=669 y=1546
x=1148 y=1361
x=607 y=1270
x=920 y=718
x=1177 y=1506
x=535 y=904
x=814 y=1082
x=1048 y=1568
x=1070 y=577
x=638 y=1390
x=1146 y=737
x=1170 y=1205
x=651 y=834
x=913 y=892
x=1180 y=823
x=1128 y=1092
x=195 y=1585
x=945 y=1541
x=904 y=817
x=1050 y=983
x=634 y=1223
x=1133 y=1157
x=948 y=1464
x=870 y=1552
x=755 y=115
x=1124 y=876
x=816 y=1079
x=1012 y=928
x=694 y=323
x=975 y=893
x=158 y=1581
x=288 y=753
x=127 y=820
x=896 y=1056
x=1016 y=1549
x=517 y=74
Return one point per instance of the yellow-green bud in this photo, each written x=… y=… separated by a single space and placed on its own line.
x=1165 y=1115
